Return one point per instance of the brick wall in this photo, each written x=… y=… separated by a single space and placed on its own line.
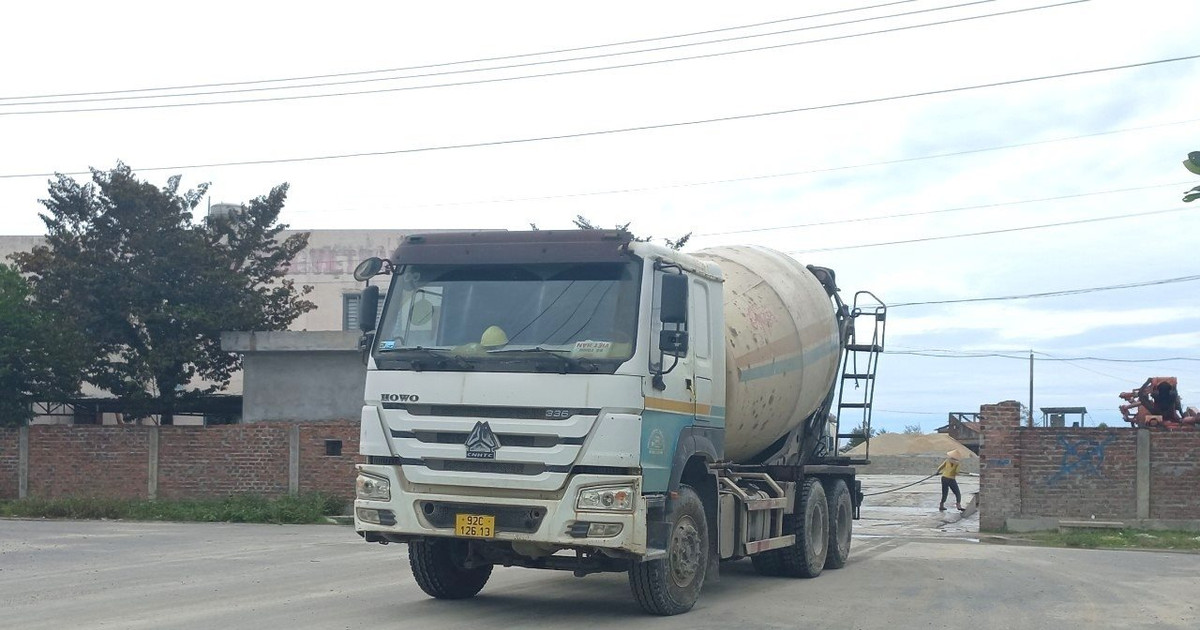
x=192 y=462
x=1084 y=473
x=1175 y=475
x=331 y=474
x=999 y=464
x=1079 y=473
x=9 y=471
x=88 y=461
x=223 y=460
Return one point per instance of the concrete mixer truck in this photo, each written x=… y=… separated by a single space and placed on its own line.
x=581 y=401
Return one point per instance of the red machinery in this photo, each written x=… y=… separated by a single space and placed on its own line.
x=1156 y=404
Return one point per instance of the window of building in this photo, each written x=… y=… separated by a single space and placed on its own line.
x=350 y=303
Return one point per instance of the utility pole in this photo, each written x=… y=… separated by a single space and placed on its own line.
x=1031 y=389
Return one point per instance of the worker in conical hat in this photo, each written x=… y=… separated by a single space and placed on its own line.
x=949 y=471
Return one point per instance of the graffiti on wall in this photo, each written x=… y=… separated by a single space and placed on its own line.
x=1082 y=457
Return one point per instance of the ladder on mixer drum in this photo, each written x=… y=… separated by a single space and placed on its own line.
x=860 y=361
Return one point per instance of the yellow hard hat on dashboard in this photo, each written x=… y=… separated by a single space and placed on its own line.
x=493 y=337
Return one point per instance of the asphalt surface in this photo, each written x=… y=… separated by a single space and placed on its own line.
x=911 y=567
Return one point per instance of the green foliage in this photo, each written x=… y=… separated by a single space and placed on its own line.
x=1192 y=163
x=860 y=432
x=38 y=358
x=306 y=508
x=583 y=223
x=913 y=429
x=151 y=290
x=1117 y=539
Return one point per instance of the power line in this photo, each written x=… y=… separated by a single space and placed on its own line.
x=530 y=76
x=991 y=232
x=1075 y=365
x=940 y=211
x=1026 y=296
x=460 y=62
x=473 y=70
x=619 y=191
x=603 y=132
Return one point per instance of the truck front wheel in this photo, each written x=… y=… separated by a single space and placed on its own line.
x=671 y=585
x=439 y=566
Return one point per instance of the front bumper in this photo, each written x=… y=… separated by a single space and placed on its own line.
x=543 y=519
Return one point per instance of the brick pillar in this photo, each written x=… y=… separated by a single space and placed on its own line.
x=1000 y=464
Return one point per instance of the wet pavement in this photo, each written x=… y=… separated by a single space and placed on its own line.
x=907 y=506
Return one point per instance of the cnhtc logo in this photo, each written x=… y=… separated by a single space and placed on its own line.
x=482 y=443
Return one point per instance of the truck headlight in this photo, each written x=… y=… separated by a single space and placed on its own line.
x=372 y=488
x=606 y=498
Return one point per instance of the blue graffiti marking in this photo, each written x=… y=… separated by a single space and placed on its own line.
x=1081 y=457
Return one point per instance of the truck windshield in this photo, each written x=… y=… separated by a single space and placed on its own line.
x=528 y=317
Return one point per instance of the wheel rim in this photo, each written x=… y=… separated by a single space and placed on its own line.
x=818 y=529
x=843 y=522
x=685 y=556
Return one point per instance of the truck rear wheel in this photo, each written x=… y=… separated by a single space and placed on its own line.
x=841 y=521
x=671 y=585
x=438 y=564
x=810 y=523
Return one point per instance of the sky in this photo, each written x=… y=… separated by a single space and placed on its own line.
x=926 y=150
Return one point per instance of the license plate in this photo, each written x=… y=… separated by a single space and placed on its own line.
x=475 y=525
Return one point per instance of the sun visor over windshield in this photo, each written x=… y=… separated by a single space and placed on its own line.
x=501 y=247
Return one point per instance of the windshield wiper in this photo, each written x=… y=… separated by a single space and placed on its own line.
x=444 y=356
x=565 y=362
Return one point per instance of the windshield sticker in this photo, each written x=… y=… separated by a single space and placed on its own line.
x=387 y=345
x=592 y=348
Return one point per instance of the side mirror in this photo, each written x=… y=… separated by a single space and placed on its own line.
x=368 y=268
x=673 y=342
x=368 y=307
x=674 y=299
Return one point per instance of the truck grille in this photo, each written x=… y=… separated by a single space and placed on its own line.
x=490 y=411
x=506 y=439
x=509 y=518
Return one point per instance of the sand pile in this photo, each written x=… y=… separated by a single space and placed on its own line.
x=932 y=445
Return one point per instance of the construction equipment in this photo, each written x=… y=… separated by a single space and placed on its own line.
x=1156 y=404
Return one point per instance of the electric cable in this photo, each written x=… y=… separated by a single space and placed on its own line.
x=523 y=77
x=1026 y=296
x=1026 y=228
x=455 y=63
x=604 y=132
x=505 y=67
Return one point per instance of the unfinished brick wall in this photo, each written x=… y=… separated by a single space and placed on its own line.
x=1079 y=473
x=1175 y=475
x=88 y=461
x=1084 y=473
x=331 y=474
x=223 y=460
x=192 y=462
x=9 y=462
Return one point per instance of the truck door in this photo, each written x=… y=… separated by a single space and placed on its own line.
x=700 y=339
x=671 y=387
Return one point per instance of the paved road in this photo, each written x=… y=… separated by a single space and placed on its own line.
x=57 y=574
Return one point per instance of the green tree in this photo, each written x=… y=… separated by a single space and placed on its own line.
x=151 y=289
x=860 y=434
x=913 y=429
x=38 y=361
